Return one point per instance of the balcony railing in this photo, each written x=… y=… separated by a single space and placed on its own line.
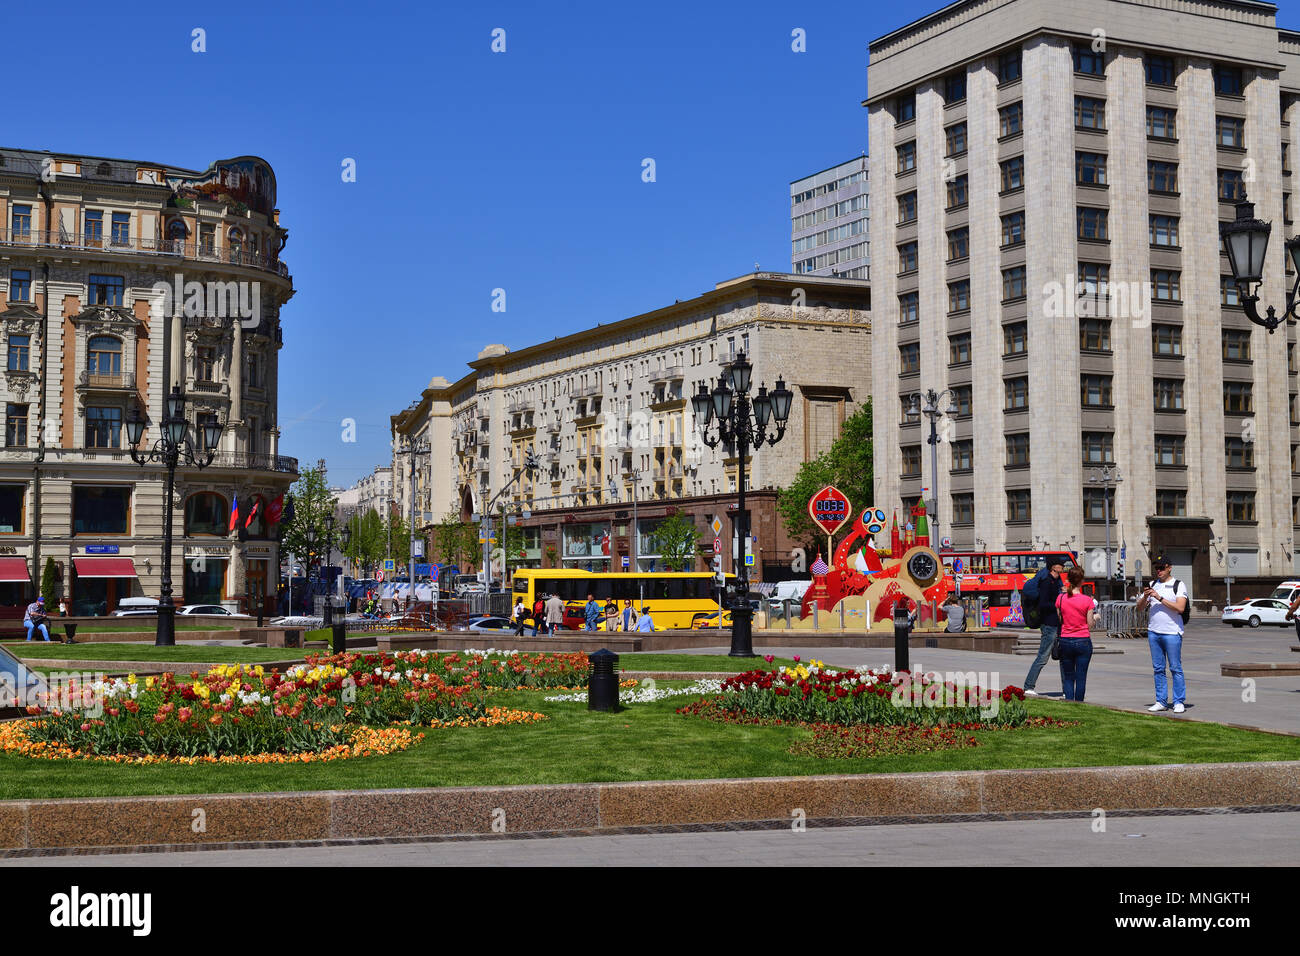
x=241 y=460
x=670 y=373
x=255 y=462
x=138 y=245
x=99 y=380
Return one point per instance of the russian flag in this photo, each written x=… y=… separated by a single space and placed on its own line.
x=234 y=512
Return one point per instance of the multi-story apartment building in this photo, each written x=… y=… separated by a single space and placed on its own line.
x=607 y=409
x=117 y=279
x=830 y=224
x=372 y=492
x=1048 y=184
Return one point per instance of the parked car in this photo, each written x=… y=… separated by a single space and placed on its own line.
x=487 y=625
x=709 y=619
x=1256 y=612
x=213 y=609
x=137 y=607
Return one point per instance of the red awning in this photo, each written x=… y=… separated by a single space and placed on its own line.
x=14 y=569
x=104 y=567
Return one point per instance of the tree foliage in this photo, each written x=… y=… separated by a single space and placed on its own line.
x=312 y=503
x=847 y=465
x=676 y=539
x=49 y=583
x=456 y=542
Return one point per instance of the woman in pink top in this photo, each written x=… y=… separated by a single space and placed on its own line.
x=1078 y=612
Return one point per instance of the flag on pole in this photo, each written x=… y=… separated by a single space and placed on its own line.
x=274 y=510
x=234 y=512
x=252 y=512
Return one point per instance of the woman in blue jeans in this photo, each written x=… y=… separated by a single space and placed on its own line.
x=1078 y=613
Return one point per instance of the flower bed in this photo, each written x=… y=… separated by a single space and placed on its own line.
x=477 y=669
x=815 y=694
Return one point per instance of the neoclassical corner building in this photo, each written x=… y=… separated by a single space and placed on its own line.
x=117 y=276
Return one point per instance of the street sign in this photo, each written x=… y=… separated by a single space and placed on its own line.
x=716 y=526
x=829 y=509
x=717 y=545
x=626 y=562
x=946 y=543
x=390 y=565
x=419 y=548
x=379 y=576
x=421 y=570
x=749 y=560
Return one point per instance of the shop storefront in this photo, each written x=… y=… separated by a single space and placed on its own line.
x=15 y=582
x=586 y=546
x=100 y=583
x=205 y=575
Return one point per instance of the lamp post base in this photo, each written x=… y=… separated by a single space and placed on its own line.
x=166 y=634
x=742 y=631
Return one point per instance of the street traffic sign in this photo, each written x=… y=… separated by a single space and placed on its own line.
x=379 y=576
x=626 y=562
x=717 y=545
x=390 y=565
x=716 y=526
x=749 y=560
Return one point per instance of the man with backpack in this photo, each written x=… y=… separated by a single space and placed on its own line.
x=1038 y=604
x=1167 y=607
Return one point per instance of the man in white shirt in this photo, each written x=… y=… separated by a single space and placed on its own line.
x=1164 y=601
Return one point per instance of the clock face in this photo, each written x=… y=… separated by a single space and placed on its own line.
x=922 y=567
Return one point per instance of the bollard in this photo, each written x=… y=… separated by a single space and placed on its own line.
x=787 y=614
x=70 y=630
x=602 y=686
x=261 y=607
x=841 y=606
x=816 y=623
x=902 y=631
x=340 y=642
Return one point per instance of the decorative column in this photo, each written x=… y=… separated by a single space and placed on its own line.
x=238 y=439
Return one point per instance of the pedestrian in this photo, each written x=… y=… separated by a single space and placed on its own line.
x=611 y=615
x=1078 y=613
x=591 y=612
x=956 y=615
x=554 y=614
x=645 y=624
x=629 y=617
x=539 y=609
x=1050 y=626
x=518 y=614
x=34 y=618
x=1165 y=600
x=63 y=608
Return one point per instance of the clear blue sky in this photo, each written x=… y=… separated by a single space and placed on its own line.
x=475 y=170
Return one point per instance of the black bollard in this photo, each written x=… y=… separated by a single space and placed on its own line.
x=70 y=630
x=902 y=631
x=602 y=686
x=340 y=636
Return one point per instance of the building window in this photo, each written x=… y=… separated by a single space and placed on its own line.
x=1236 y=345
x=959 y=348
x=207 y=239
x=955 y=139
x=1230 y=132
x=1009 y=67
x=1094 y=335
x=1171 y=504
x=1018 y=450
x=1169 y=394
x=909 y=358
x=1013 y=173
x=1095 y=390
x=13 y=514
x=1086 y=60
x=907 y=208
x=1239 y=453
x=1171 y=451
x=911 y=411
x=905 y=108
x=1013 y=229
x=911 y=461
x=958 y=244
x=20 y=222
x=1013 y=283
x=1015 y=338
x=959 y=296
x=1229 y=294
x=1098 y=448
x=1089 y=113
x=1164 y=285
x=963 y=455
x=19 y=350
x=1231 y=187
x=103 y=427
x=1161 y=123
x=1164 y=230
x=961 y=398
x=253 y=370
x=1160 y=70
x=1238 y=397
x=1095 y=503
x=1241 y=506
x=1094 y=277
x=121 y=235
x=909 y=308
x=963 y=509
x=1090 y=169
x=1018 y=506
x=1093 y=223
x=97 y=509
x=20 y=285
x=205 y=363
x=1166 y=340
x=207 y=513
x=957 y=192
x=907 y=157
x=1162 y=177
x=15 y=426
x=104 y=356
x=906 y=258
x=1015 y=392
x=93 y=231
x=106 y=290
x=1227 y=81
x=1011 y=119
x=954 y=88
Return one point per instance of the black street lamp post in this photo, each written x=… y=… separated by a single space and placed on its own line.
x=171 y=448
x=329 y=548
x=741 y=424
x=1245 y=241
x=345 y=538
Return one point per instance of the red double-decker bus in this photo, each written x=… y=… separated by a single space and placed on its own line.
x=989 y=582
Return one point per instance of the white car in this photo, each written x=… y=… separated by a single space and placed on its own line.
x=214 y=609
x=1256 y=612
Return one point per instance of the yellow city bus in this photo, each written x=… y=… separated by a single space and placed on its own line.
x=673 y=597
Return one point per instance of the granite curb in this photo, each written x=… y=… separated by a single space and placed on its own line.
x=279 y=818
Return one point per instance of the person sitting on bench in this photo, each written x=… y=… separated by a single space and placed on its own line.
x=34 y=618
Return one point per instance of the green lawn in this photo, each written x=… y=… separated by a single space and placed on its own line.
x=649 y=742
x=689 y=663
x=180 y=653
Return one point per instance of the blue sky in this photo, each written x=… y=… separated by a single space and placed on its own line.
x=475 y=170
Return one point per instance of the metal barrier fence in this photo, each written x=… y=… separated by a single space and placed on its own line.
x=1121 y=620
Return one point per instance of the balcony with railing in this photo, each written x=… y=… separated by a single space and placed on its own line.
x=242 y=461
x=666 y=397
x=99 y=381
x=669 y=373
x=140 y=246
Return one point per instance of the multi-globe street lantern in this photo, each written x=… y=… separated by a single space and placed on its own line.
x=1245 y=241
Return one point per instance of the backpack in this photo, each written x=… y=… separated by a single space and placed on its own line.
x=1187 y=608
x=1029 y=608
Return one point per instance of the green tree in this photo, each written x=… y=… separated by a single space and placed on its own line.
x=456 y=541
x=304 y=536
x=676 y=538
x=49 y=583
x=368 y=540
x=847 y=465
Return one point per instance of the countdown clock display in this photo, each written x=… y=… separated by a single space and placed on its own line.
x=829 y=509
